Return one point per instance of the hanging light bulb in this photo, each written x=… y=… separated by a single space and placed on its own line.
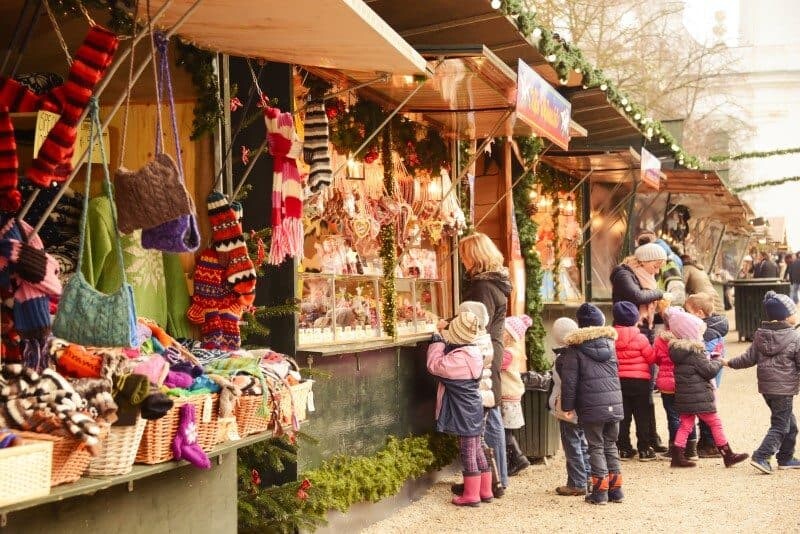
x=649 y=133
x=578 y=70
x=551 y=58
x=603 y=86
x=674 y=147
x=661 y=140
x=628 y=108
x=536 y=33
x=637 y=116
x=624 y=101
x=495 y=4
x=532 y=194
x=563 y=81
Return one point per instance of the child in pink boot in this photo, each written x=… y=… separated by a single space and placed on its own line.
x=457 y=362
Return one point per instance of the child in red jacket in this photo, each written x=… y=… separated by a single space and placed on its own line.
x=635 y=355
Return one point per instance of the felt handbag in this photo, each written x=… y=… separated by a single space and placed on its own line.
x=154 y=194
x=179 y=234
x=87 y=316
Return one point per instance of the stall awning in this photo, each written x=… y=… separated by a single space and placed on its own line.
x=456 y=22
x=337 y=34
x=607 y=126
x=706 y=194
x=610 y=167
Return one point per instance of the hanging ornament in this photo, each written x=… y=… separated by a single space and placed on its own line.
x=235 y=104
x=245 y=155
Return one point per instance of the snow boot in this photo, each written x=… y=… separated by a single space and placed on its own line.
x=731 y=458
x=599 y=494
x=615 y=487
x=679 y=458
x=472 y=490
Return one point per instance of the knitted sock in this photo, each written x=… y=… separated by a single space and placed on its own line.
x=185 y=446
x=210 y=287
x=228 y=237
x=315 y=146
x=53 y=162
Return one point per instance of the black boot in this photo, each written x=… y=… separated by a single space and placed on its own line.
x=655 y=439
x=691 y=450
x=517 y=461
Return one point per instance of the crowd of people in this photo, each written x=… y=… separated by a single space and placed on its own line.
x=667 y=335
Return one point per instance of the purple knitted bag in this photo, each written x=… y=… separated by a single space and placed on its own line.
x=181 y=234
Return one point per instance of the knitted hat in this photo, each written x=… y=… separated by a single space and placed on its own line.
x=463 y=330
x=650 y=252
x=666 y=314
x=517 y=325
x=625 y=313
x=562 y=327
x=478 y=308
x=590 y=315
x=156 y=406
x=686 y=326
x=778 y=306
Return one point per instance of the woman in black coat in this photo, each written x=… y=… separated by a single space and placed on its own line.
x=487 y=282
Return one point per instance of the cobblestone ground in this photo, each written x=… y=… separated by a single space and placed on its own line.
x=707 y=499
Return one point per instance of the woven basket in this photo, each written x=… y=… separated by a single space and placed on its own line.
x=248 y=420
x=119 y=451
x=300 y=393
x=156 y=444
x=25 y=471
x=70 y=456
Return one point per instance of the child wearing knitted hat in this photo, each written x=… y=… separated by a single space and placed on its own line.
x=457 y=362
x=512 y=388
x=694 y=392
x=573 y=441
x=776 y=353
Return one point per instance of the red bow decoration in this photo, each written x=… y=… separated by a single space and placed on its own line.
x=301 y=491
x=255 y=478
x=235 y=104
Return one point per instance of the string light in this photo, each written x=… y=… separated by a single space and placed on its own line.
x=603 y=87
x=624 y=101
x=495 y=4
x=536 y=33
x=551 y=58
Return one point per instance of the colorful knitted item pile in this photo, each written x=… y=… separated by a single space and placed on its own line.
x=224 y=280
x=53 y=162
x=287 y=187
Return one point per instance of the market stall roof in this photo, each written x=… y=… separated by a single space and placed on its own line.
x=455 y=22
x=468 y=93
x=607 y=125
x=338 y=34
x=606 y=166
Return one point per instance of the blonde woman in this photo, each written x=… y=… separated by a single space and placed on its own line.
x=487 y=282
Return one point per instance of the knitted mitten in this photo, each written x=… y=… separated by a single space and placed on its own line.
x=315 y=146
x=228 y=237
x=185 y=446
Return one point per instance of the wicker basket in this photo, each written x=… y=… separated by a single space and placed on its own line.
x=248 y=420
x=300 y=393
x=119 y=451
x=156 y=444
x=25 y=471
x=70 y=456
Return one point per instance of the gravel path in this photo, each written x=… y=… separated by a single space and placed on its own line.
x=658 y=499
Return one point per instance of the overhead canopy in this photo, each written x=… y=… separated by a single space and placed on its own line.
x=468 y=93
x=337 y=34
x=612 y=167
x=456 y=22
x=607 y=126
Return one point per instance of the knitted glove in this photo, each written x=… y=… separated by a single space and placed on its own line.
x=185 y=446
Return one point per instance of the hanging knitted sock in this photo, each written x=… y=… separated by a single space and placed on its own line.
x=53 y=162
x=230 y=335
x=10 y=197
x=315 y=146
x=185 y=446
x=210 y=287
x=226 y=232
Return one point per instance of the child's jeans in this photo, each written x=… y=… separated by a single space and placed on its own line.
x=673 y=417
x=687 y=426
x=576 y=450
x=782 y=432
x=473 y=460
x=603 y=453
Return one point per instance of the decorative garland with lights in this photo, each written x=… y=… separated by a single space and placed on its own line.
x=753 y=155
x=767 y=183
x=565 y=59
x=388 y=239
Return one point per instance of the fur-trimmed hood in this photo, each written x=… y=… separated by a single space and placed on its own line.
x=582 y=335
x=667 y=336
x=681 y=349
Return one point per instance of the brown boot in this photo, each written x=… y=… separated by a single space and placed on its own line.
x=731 y=458
x=679 y=459
x=569 y=491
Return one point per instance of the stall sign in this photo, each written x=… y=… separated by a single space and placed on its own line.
x=541 y=107
x=45 y=121
x=651 y=170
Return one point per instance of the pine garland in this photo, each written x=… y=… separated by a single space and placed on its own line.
x=753 y=155
x=388 y=239
x=208 y=108
x=767 y=183
x=337 y=484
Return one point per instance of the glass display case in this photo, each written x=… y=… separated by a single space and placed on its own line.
x=419 y=305
x=338 y=308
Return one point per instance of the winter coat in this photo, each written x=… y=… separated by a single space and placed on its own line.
x=492 y=289
x=693 y=371
x=697 y=281
x=766 y=269
x=716 y=329
x=793 y=272
x=634 y=353
x=484 y=344
x=665 y=379
x=670 y=280
x=625 y=286
x=776 y=352
x=458 y=402
x=554 y=399
x=589 y=381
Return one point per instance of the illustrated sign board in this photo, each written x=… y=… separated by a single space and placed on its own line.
x=45 y=121
x=542 y=107
x=651 y=170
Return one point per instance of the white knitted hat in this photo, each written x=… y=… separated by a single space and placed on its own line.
x=562 y=327
x=478 y=308
x=463 y=330
x=650 y=252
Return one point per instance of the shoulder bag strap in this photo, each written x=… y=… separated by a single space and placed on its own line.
x=164 y=89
